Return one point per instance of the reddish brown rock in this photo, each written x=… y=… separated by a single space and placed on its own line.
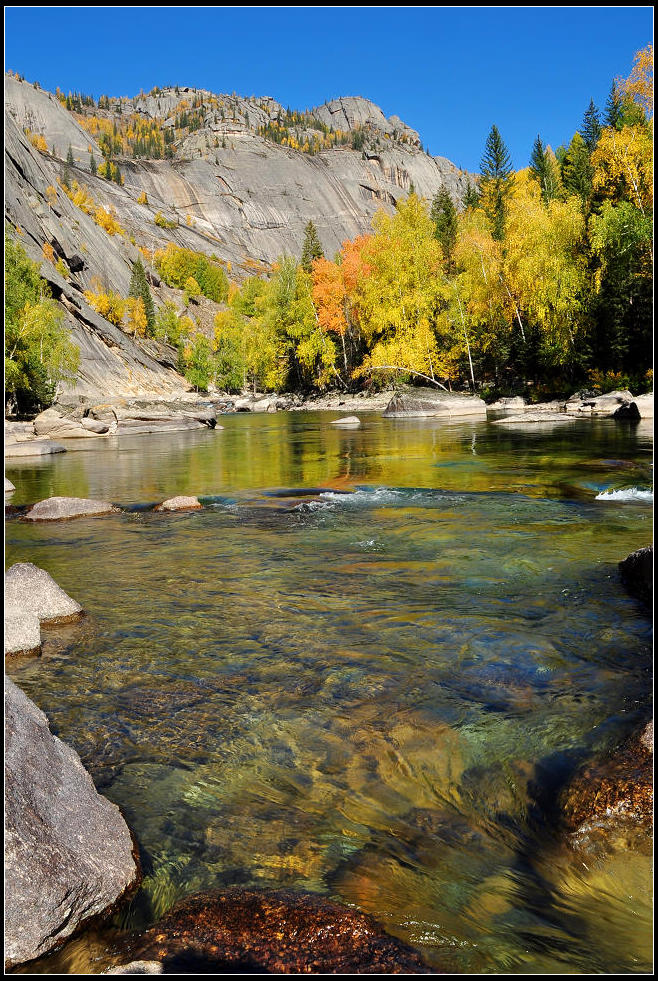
x=276 y=932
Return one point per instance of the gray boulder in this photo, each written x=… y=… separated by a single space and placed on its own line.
x=33 y=591
x=422 y=402
x=54 y=425
x=618 y=404
x=69 y=854
x=637 y=574
x=137 y=967
x=532 y=417
x=511 y=404
x=33 y=447
x=644 y=405
x=9 y=487
x=180 y=504
x=347 y=422
x=22 y=632
x=64 y=508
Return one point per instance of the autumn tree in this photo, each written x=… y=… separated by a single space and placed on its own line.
x=140 y=289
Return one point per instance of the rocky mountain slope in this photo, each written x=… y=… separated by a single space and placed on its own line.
x=231 y=177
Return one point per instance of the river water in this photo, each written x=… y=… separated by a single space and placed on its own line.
x=364 y=669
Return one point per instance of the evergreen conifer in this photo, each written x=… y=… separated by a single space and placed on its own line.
x=312 y=248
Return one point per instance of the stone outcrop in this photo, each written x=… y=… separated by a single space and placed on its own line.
x=53 y=425
x=617 y=405
x=276 y=932
x=22 y=631
x=644 y=405
x=180 y=504
x=32 y=590
x=611 y=798
x=637 y=574
x=512 y=404
x=33 y=447
x=424 y=402
x=65 y=508
x=69 y=855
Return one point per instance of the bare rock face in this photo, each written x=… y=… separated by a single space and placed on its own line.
x=276 y=932
x=64 y=508
x=33 y=447
x=180 y=504
x=637 y=574
x=22 y=631
x=68 y=852
x=32 y=590
x=421 y=402
x=611 y=799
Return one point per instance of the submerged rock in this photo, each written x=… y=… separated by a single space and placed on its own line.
x=532 y=417
x=180 y=504
x=9 y=487
x=32 y=590
x=421 y=402
x=637 y=574
x=69 y=854
x=612 y=797
x=276 y=932
x=22 y=632
x=137 y=967
x=347 y=422
x=63 y=508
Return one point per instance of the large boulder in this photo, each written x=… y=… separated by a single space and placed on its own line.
x=32 y=590
x=53 y=425
x=9 y=487
x=422 y=402
x=617 y=404
x=347 y=422
x=644 y=405
x=22 y=631
x=276 y=932
x=64 y=508
x=636 y=572
x=69 y=854
x=33 y=447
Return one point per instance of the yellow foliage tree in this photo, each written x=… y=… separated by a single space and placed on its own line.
x=135 y=316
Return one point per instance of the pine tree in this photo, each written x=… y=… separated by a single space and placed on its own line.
x=577 y=170
x=613 y=109
x=496 y=181
x=69 y=157
x=444 y=215
x=312 y=248
x=139 y=289
x=543 y=168
x=591 y=127
x=92 y=164
x=471 y=196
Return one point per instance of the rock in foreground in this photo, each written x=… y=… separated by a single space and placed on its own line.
x=347 y=422
x=180 y=504
x=637 y=574
x=68 y=852
x=33 y=447
x=9 y=487
x=54 y=425
x=63 y=508
x=22 y=632
x=421 y=402
x=29 y=589
x=276 y=932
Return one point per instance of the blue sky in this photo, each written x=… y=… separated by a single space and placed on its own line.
x=449 y=72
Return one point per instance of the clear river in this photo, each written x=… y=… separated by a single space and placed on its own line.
x=365 y=669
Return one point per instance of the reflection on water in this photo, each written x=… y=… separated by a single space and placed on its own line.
x=368 y=694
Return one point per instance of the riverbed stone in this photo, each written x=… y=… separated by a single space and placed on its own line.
x=137 y=967
x=610 y=800
x=33 y=447
x=347 y=422
x=618 y=404
x=53 y=425
x=9 y=487
x=425 y=402
x=636 y=572
x=64 y=508
x=32 y=590
x=22 y=632
x=180 y=504
x=533 y=417
x=69 y=854
x=514 y=403
x=277 y=932
x=644 y=405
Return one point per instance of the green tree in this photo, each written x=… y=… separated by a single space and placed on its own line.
x=543 y=167
x=577 y=170
x=38 y=350
x=69 y=157
x=613 y=109
x=92 y=164
x=312 y=249
x=139 y=289
x=471 y=196
x=591 y=127
x=444 y=215
x=496 y=182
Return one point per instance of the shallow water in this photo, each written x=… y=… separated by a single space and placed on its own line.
x=364 y=670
